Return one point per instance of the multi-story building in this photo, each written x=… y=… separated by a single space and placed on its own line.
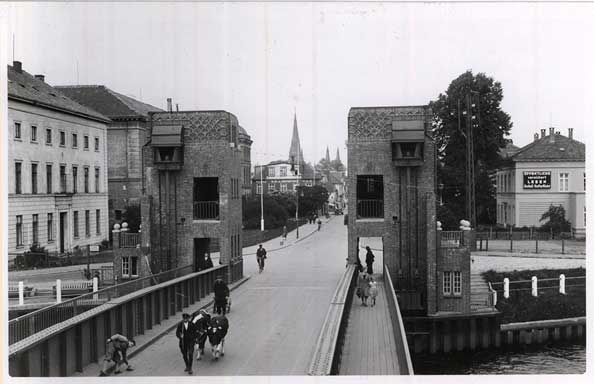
x=57 y=162
x=548 y=171
x=126 y=135
x=285 y=175
x=245 y=147
x=192 y=199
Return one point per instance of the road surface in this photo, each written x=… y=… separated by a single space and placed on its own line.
x=276 y=316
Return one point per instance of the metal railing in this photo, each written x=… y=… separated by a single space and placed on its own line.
x=451 y=239
x=368 y=209
x=206 y=210
x=33 y=322
x=129 y=240
x=404 y=360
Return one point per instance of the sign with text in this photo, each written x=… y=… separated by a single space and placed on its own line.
x=537 y=180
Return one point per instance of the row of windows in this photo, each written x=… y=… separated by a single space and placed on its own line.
x=452 y=283
x=20 y=240
x=272 y=171
x=49 y=178
x=505 y=182
x=505 y=211
x=283 y=187
x=49 y=137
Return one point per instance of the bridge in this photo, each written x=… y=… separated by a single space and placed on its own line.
x=299 y=317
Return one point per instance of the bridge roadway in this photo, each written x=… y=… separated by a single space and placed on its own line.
x=275 y=318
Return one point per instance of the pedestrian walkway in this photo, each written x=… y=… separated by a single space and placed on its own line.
x=369 y=347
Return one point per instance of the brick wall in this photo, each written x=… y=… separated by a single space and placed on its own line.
x=453 y=259
x=408 y=224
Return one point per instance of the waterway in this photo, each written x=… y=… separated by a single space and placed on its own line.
x=551 y=359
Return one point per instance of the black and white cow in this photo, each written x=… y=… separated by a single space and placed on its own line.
x=217 y=330
x=202 y=321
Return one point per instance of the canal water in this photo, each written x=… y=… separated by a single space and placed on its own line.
x=552 y=359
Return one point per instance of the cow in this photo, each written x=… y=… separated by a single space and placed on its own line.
x=217 y=330
x=202 y=321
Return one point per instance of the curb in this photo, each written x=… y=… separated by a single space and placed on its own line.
x=150 y=342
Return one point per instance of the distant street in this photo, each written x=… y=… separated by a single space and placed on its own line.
x=276 y=316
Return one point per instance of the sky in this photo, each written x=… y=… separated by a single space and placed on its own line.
x=264 y=61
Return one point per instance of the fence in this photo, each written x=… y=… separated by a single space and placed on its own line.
x=532 y=234
x=562 y=246
x=206 y=210
x=561 y=284
x=69 y=346
x=129 y=240
x=404 y=361
x=31 y=323
x=451 y=239
x=367 y=208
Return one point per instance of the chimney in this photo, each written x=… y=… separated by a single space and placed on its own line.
x=570 y=133
x=536 y=137
x=169 y=108
x=552 y=134
x=18 y=66
x=543 y=133
x=176 y=107
x=40 y=77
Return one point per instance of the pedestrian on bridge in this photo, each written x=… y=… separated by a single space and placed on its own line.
x=186 y=334
x=369 y=259
x=116 y=348
x=261 y=256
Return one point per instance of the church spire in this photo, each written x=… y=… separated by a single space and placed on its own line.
x=337 y=155
x=327 y=154
x=295 y=152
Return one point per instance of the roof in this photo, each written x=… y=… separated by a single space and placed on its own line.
x=108 y=102
x=509 y=150
x=308 y=171
x=562 y=148
x=25 y=87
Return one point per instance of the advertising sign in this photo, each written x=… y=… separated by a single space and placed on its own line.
x=537 y=180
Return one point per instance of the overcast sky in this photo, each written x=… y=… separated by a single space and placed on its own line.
x=263 y=61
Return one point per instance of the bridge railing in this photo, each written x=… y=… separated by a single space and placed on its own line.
x=34 y=322
x=69 y=346
x=404 y=360
x=326 y=357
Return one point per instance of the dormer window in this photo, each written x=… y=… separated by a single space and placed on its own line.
x=408 y=138
x=166 y=141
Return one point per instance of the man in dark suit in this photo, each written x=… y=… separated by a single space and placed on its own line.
x=186 y=334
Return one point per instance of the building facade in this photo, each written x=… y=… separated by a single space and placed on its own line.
x=126 y=135
x=548 y=171
x=57 y=162
x=285 y=175
x=192 y=198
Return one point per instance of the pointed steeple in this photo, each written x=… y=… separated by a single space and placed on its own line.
x=295 y=152
x=327 y=154
x=337 y=155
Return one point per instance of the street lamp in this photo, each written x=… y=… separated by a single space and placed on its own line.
x=296 y=173
x=261 y=199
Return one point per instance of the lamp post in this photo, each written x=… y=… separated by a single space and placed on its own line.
x=298 y=192
x=261 y=199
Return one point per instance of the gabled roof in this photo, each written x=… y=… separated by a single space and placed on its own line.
x=108 y=102
x=561 y=148
x=509 y=150
x=23 y=86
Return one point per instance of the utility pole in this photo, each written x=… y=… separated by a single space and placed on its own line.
x=261 y=199
x=470 y=189
x=298 y=185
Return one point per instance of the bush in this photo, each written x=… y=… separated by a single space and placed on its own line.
x=275 y=215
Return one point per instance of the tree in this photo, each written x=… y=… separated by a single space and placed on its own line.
x=311 y=199
x=336 y=165
x=488 y=138
x=557 y=222
x=131 y=216
x=275 y=215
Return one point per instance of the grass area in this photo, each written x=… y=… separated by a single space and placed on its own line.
x=549 y=304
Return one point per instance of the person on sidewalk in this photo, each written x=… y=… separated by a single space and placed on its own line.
x=186 y=334
x=221 y=295
x=319 y=224
x=261 y=256
x=116 y=348
x=369 y=259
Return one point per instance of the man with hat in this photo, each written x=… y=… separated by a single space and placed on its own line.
x=186 y=334
x=221 y=295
